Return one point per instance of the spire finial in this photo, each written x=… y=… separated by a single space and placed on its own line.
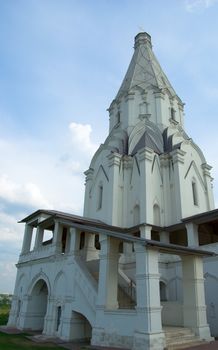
x=142 y=38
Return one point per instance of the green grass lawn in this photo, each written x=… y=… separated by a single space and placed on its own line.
x=19 y=342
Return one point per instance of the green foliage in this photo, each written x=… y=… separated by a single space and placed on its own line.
x=19 y=342
x=4 y=313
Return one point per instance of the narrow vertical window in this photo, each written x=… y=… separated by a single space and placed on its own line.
x=194 y=193
x=172 y=113
x=100 y=196
x=118 y=118
x=58 y=317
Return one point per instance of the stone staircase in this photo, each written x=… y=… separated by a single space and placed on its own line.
x=180 y=338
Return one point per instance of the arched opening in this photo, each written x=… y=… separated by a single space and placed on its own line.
x=163 y=291
x=37 y=306
x=156 y=215
x=97 y=243
x=81 y=329
x=82 y=240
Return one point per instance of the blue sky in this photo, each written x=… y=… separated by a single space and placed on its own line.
x=61 y=64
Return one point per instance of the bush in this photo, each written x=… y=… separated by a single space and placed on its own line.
x=4 y=313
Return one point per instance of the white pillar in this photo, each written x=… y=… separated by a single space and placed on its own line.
x=74 y=241
x=164 y=237
x=194 y=308
x=28 y=232
x=149 y=333
x=89 y=249
x=57 y=236
x=108 y=273
x=145 y=231
x=39 y=237
x=192 y=234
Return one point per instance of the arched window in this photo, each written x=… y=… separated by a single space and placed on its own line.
x=194 y=192
x=163 y=291
x=97 y=243
x=156 y=215
x=136 y=215
x=172 y=113
x=118 y=118
x=100 y=196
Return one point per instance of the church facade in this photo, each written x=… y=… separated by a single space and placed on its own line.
x=138 y=265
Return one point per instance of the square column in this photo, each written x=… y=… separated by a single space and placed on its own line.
x=57 y=236
x=164 y=237
x=192 y=234
x=89 y=249
x=74 y=242
x=108 y=273
x=149 y=334
x=194 y=308
x=145 y=231
x=107 y=289
x=39 y=238
x=28 y=232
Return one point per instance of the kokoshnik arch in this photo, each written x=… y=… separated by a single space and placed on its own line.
x=135 y=263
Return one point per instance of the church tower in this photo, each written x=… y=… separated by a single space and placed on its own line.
x=148 y=170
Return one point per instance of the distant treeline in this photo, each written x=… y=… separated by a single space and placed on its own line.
x=5 y=299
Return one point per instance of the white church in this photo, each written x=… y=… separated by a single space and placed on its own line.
x=138 y=269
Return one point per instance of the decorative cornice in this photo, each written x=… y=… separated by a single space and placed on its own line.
x=145 y=154
x=114 y=159
x=178 y=156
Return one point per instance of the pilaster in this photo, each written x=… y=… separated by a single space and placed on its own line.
x=146 y=207
x=208 y=181
x=114 y=160
x=179 y=203
x=88 y=181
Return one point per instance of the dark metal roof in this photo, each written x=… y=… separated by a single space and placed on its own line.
x=202 y=218
x=125 y=234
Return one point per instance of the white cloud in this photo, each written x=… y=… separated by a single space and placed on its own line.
x=199 y=5
x=81 y=138
x=27 y=194
x=10 y=230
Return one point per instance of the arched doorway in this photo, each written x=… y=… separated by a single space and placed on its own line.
x=37 y=306
x=81 y=329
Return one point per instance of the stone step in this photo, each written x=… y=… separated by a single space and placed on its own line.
x=180 y=338
x=185 y=345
